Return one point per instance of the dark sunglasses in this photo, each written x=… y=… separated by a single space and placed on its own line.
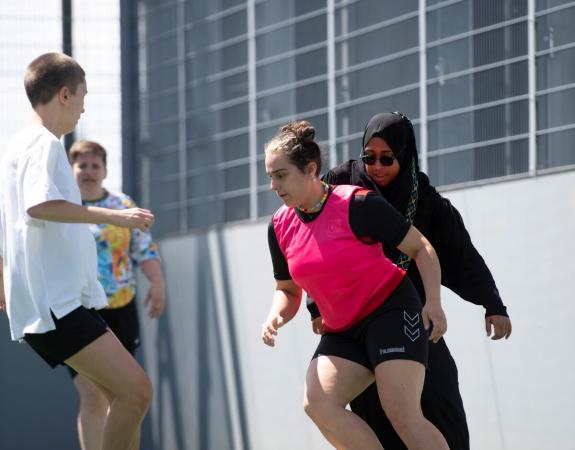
x=384 y=160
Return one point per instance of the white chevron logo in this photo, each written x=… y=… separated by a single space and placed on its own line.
x=413 y=335
x=412 y=321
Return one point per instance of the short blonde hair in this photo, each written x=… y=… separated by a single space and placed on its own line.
x=86 y=147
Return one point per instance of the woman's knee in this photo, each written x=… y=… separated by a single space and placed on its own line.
x=399 y=383
x=404 y=416
x=331 y=383
x=316 y=403
x=310 y=402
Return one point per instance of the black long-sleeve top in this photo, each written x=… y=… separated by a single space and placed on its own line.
x=463 y=270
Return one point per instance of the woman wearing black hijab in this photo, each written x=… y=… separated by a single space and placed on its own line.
x=389 y=165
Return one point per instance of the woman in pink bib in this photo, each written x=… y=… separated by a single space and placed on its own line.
x=327 y=240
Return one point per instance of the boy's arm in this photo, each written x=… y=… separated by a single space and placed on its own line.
x=67 y=212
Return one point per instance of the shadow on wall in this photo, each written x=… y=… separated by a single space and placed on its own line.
x=191 y=357
x=38 y=404
x=189 y=353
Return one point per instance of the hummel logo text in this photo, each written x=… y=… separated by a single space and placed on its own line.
x=385 y=351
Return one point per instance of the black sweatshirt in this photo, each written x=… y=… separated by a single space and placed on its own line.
x=463 y=270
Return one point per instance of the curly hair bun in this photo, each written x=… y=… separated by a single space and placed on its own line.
x=302 y=129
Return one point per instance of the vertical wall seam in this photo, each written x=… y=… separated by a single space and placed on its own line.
x=331 y=93
x=252 y=108
x=182 y=125
x=532 y=87
x=423 y=141
x=223 y=322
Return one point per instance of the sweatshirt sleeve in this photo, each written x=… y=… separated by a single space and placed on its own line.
x=372 y=218
x=463 y=270
x=339 y=175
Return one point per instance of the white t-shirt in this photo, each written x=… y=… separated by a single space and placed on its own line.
x=48 y=266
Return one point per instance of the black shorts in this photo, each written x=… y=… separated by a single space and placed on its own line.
x=73 y=332
x=125 y=324
x=393 y=331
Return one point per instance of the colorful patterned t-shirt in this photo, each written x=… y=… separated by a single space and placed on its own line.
x=120 y=250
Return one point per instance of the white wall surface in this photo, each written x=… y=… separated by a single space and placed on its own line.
x=20 y=42
x=273 y=377
x=519 y=394
x=96 y=36
x=33 y=27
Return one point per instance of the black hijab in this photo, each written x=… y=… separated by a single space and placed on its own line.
x=397 y=131
x=403 y=191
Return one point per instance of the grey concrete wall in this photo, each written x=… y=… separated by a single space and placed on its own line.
x=519 y=394
x=219 y=387
x=37 y=404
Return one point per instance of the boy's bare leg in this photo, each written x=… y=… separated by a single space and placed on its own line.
x=90 y=434
x=110 y=365
x=92 y=414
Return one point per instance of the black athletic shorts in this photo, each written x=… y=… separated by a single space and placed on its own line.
x=73 y=332
x=124 y=323
x=393 y=331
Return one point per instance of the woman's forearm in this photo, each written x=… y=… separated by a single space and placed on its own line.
x=430 y=271
x=285 y=305
x=417 y=247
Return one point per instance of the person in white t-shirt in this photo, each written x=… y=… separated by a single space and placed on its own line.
x=49 y=265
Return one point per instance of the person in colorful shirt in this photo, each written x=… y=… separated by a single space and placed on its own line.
x=328 y=241
x=120 y=251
